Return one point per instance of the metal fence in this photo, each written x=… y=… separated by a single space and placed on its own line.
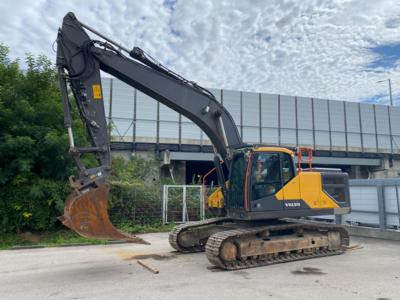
x=374 y=203
x=182 y=203
x=261 y=118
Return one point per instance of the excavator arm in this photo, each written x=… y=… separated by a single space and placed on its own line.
x=79 y=61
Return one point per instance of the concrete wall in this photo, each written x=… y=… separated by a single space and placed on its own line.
x=390 y=169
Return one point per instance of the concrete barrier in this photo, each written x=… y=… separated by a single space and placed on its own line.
x=385 y=234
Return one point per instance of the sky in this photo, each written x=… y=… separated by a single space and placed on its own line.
x=315 y=48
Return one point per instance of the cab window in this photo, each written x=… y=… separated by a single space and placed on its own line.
x=270 y=171
x=266 y=175
x=287 y=168
x=237 y=179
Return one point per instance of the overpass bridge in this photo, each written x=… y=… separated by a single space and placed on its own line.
x=363 y=139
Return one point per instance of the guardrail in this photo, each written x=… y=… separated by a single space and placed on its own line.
x=374 y=203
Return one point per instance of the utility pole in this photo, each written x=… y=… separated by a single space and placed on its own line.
x=390 y=90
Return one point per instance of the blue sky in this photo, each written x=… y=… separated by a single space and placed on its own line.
x=382 y=98
x=329 y=49
x=386 y=55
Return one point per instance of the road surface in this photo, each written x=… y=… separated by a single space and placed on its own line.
x=112 y=272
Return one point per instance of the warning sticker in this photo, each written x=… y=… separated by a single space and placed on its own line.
x=97 y=92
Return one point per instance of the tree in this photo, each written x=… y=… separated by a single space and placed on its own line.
x=34 y=160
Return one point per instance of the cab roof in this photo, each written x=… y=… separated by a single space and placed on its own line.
x=273 y=149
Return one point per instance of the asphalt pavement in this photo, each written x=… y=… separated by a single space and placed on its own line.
x=370 y=271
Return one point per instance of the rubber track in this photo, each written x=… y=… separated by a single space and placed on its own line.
x=215 y=241
x=174 y=234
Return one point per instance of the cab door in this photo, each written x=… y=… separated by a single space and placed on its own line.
x=290 y=182
x=265 y=181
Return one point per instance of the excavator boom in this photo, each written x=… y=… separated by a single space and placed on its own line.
x=79 y=61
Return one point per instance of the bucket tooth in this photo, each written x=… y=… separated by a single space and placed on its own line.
x=86 y=214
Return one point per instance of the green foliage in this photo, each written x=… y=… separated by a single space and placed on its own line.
x=136 y=195
x=34 y=159
x=155 y=226
x=33 y=141
x=33 y=205
x=135 y=191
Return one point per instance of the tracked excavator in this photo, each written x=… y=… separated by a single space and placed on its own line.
x=264 y=199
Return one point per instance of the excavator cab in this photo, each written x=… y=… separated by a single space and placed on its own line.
x=256 y=174
x=264 y=183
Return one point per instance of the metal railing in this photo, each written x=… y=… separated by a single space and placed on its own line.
x=374 y=203
x=184 y=205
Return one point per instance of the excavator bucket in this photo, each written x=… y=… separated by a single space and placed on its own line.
x=86 y=214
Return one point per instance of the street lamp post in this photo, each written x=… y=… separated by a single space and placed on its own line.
x=390 y=90
x=390 y=93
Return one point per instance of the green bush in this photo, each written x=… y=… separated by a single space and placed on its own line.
x=34 y=159
x=35 y=164
x=135 y=192
x=34 y=206
x=136 y=195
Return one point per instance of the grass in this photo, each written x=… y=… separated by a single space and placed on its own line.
x=47 y=239
x=147 y=228
x=65 y=236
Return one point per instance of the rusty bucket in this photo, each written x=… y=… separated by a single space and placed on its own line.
x=86 y=214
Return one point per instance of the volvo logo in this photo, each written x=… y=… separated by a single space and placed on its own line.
x=292 y=204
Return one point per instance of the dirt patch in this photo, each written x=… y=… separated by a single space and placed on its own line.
x=130 y=255
x=308 y=271
x=154 y=256
x=215 y=269
x=242 y=273
x=30 y=237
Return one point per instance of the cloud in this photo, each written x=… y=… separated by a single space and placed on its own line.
x=322 y=49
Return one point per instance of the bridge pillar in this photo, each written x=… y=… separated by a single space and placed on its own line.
x=390 y=168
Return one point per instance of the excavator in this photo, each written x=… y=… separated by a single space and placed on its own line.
x=264 y=201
